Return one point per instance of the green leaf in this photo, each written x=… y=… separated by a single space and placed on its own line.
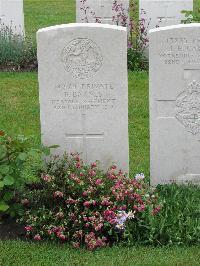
x=22 y=156
x=1 y=184
x=3 y=151
x=8 y=196
x=3 y=206
x=8 y=180
x=4 y=169
x=46 y=151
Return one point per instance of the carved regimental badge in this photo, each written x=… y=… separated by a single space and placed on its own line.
x=82 y=58
x=188 y=107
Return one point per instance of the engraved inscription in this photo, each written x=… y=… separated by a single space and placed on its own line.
x=82 y=58
x=85 y=96
x=188 y=108
x=178 y=51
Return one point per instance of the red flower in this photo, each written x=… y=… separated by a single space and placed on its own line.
x=2 y=133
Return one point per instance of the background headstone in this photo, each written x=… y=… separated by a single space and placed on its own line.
x=83 y=91
x=12 y=15
x=175 y=104
x=161 y=13
x=100 y=10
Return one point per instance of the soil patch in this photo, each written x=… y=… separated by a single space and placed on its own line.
x=9 y=229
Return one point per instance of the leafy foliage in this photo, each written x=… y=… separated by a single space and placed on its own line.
x=19 y=164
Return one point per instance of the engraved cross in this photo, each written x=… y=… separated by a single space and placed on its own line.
x=84 y=135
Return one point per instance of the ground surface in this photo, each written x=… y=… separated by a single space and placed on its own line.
x=19 y=114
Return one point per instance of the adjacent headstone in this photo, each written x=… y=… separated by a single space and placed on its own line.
x=83 y=91
x=161 y=13
x=92 y=11
x=12 y=15
x=175 y=104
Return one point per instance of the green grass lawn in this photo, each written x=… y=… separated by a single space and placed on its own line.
x=19 y=114
x=22 y=253
x=44 y=13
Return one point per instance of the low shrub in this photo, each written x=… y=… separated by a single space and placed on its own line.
x=19 y=164
x=85 y=206
x=16 y=52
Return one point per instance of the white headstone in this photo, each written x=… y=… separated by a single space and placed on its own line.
x=91 y=11
x=12 y=15
x=83 y=91
x=175 y=104
x=161 y=13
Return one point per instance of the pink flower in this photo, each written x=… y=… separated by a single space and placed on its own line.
x=156 y=210
x=58 y=194
x=113 y=167
x=28 y=228
x=85 y=219
x=85 y=193
x=78 y=165
x=37 y=237
x=49 y=232
x=92 y=173
x=111 y=176
x=61 y=236
x=99 y=182
x=71 y=201
x=77 y=158
x=93 y=165
x=98 y=227
x=47 y=178
x=87 y=225
x=141 y=208
x=135 y=207
x=87 y=203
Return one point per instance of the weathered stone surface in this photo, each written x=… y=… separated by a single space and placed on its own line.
x=161 y=13
x=83 y=91
x=12 y=15
x=175 y=104
x=98 y=10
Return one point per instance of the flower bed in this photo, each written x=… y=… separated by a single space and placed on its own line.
x=85 y=206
